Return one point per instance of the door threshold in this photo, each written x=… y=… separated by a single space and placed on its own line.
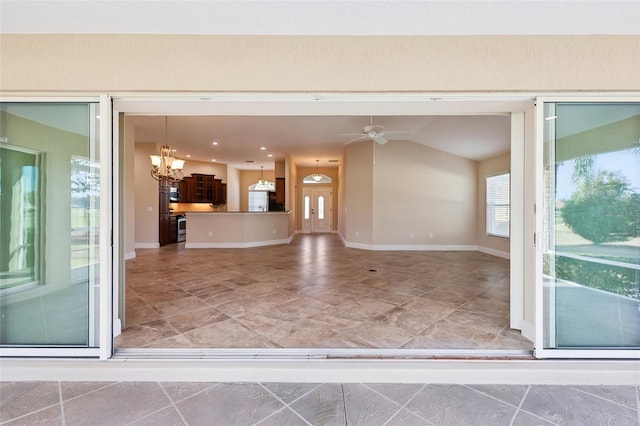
x=264 y=354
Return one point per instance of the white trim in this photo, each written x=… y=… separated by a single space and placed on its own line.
x=39 y=352
x=248 y=244
x=291 y=237
x=539 y=220
x=552 y=372
x=408 y=247
x=117 y=324
x=107 y=247
x=586 y=353
x=517 y=210
x=147 y=245
x=494 y=252
x=130 y=255
x=527 y=330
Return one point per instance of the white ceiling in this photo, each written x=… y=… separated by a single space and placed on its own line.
x=311 y=138
x=321 y=17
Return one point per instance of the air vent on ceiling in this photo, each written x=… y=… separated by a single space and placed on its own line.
x=334 y=161
x=249 y=161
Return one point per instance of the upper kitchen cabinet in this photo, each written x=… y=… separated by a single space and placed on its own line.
x=202 y=188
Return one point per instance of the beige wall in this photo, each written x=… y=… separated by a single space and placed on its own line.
x=422 y=196
x=341 y=209
x=233 y=189
x=490 y=167
x=358 y=160
x=102 y=62
x=303 y=172
x=146 y=190
x=291 y=182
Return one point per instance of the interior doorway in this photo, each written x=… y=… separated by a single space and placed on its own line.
x=317 y=208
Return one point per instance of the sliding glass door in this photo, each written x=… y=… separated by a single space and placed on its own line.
x=49 y=225
x=590 y=245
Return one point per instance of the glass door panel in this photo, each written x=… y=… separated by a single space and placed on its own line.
x=591 y=225
x=49 y=224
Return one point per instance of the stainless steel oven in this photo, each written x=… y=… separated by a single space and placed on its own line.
x=182 y=228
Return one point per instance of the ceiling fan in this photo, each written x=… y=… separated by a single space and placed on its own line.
x=376 y=133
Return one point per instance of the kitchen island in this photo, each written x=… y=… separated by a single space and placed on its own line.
x=237 y=229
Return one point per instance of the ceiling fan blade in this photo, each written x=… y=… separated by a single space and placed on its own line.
x=397 y=134
x=350 y=134
x=379 y=139
x=359 y=138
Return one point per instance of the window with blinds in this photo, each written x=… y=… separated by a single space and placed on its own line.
x=498 y=203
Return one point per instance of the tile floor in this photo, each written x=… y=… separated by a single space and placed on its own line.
x=317 y=293
x=153 y=403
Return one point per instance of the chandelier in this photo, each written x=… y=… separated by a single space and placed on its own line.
x=317 y=177
x=164 y=166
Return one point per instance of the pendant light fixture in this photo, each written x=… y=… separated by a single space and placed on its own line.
x=165 y=167
x=317 y=177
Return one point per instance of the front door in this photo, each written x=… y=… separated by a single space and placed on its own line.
x=317 y=209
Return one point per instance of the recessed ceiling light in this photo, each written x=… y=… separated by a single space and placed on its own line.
x=188 y=155
x=213 y=159
x=269 y=155
x=263 y=148
x=214 y=143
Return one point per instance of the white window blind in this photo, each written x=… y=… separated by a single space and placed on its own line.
x=498 y=204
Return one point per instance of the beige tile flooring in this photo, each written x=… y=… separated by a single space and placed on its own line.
x=315 y=293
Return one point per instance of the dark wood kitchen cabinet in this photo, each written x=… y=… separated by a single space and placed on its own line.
x=280 y=190
x=164 y=215
x=202 y=188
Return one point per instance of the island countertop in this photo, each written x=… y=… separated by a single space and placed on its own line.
x=237 y=229
x=236 y=212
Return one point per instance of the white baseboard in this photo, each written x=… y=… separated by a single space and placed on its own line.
x=147 y=245
x=493 y=252
x=291 y=237
x=409 y=247
x=130 y=255
x=248 y=244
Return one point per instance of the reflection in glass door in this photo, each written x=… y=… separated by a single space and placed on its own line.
x=49 y=224
x=591 y=225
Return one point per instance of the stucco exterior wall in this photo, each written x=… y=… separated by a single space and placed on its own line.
x=202 y=63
